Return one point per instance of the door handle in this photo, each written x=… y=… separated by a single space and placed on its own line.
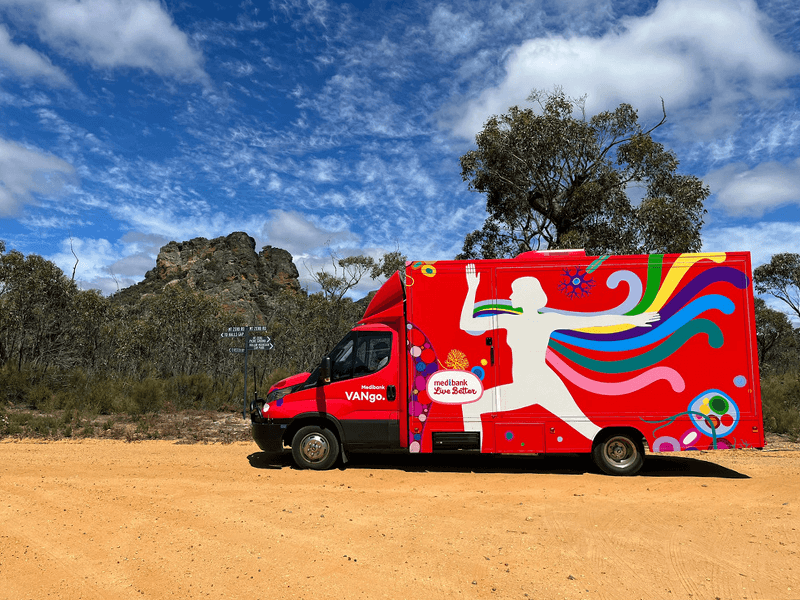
x=490 y=343
x=391 y=393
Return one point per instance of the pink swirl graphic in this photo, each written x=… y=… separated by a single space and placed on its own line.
x=616 y=388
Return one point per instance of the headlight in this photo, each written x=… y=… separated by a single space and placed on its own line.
x=258 y=407
x=278 y=394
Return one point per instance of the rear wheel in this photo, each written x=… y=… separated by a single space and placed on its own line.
x=619 y=454
x=315 y=447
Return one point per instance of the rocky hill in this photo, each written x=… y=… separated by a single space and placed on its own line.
x=227 y=268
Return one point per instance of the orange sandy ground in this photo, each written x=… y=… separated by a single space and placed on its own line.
x=109 y=519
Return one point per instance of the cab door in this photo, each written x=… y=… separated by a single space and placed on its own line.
x=363 y=389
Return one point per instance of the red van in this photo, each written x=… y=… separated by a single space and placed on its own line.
x=548 y=352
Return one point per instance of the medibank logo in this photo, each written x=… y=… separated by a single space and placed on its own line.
x=454 y=387
x=365 y=394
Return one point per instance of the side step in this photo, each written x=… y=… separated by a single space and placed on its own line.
x=448 y=441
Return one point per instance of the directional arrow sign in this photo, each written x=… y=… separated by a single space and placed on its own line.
x=259 y=340
x=231 y=334
x=261 y=347
x=242 y=329
x=236 y=350
x=258 y=328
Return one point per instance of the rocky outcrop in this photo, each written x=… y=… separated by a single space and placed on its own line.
x=226 y=268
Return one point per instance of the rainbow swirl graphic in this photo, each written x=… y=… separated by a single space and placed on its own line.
x=628 y=349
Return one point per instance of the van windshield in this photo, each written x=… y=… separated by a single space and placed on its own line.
x=358 y=354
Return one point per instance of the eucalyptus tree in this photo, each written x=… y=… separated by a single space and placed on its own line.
x=555 y=179
x=780 y=277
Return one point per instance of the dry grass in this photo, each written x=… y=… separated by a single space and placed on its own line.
x=188 y=427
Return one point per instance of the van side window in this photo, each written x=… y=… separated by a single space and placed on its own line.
x=360 y=354
x=372 y=353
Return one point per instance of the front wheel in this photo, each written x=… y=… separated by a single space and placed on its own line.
x=619 y=454
x=315 y=447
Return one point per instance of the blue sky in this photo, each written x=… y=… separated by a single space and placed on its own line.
x=321 y=126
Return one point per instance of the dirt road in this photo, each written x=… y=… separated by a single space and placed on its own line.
x=116 y=520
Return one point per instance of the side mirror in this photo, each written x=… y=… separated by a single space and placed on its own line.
x=325 y=371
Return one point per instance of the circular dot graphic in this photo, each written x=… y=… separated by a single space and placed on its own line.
x=428 y=271
x=720 y=413
x=666 y=443
x=719 y=405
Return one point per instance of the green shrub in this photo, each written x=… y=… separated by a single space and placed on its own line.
x=101 y=397
x=780 y=400
x=192 y=391
x=34 y=425
x=14 y=385
x=146 y=396
x=40 y=397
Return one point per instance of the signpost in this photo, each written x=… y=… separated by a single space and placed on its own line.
x=258 y=342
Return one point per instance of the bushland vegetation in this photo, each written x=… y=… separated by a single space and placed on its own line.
x=779 y=343
x=68 y=355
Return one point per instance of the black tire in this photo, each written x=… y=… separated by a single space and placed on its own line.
x=619 y=454
x=315 y=447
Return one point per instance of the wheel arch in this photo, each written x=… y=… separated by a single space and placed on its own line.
x=635 y=435
x=319 y=419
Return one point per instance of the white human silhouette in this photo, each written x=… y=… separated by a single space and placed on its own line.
x=533 y=381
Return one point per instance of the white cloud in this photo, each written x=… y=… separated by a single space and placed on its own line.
x=112 y=34
x=324 y=170
x=27 y=63
x=701 y=57
x=92 y=257
x=274 y=184
x=139 y=242
x=25 y=172
x=454 y=33
x=762 y=239
x=294 y=232
x=781 y=133
x=311 y=244
x=133 y=265
x=743 y=191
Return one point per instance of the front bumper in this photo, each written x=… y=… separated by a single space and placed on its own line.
x=269 y=435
